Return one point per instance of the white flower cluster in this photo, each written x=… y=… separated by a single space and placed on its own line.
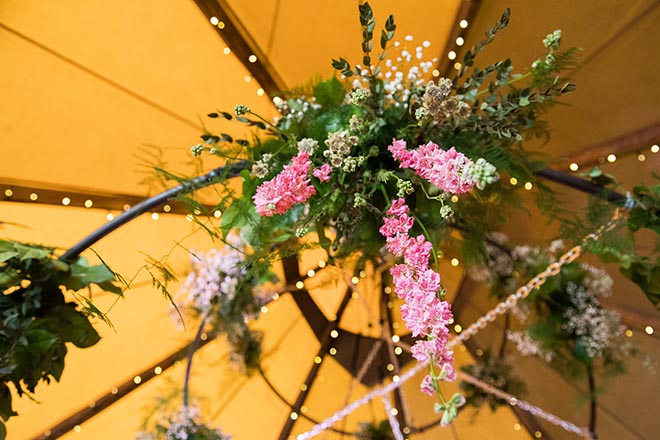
x=482 y=172
x=294 y=109
x=596 y=328
x=215 y=276
x=528 y=346
x=183 y=425
x=339 y=145
x=404 y=74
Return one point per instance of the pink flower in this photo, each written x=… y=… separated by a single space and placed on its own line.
x=289 y=187
x=427 y=385
x=444 y=169
x=423 y=312
x=323 y=173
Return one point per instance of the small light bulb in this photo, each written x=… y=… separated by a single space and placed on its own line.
x=648 y=329
x=398 y=350
x=460 y=41
x=311 y=273
x=109 y=216
x=451 y=55
x=455 y=262
x=88 y=203
x=217 y=213
x=167 y=208
x=300 y=284
x=395 y=338
x=458 y=66
x=9 y=192
x=655 y=148
x=66 y=201
x=260 y=91
x=154 y=215
x=334 y=334
x=458 y=328
x=252 y=58
x=611 y=158
x=226 y=51
x=513 y=181
x=317 y=359
x=333 y=351
x=158 y=370
x=641 y=157
x=435 y=73
x=463 y=24
x=34 y=197
x=528 y=186
x=574 y=167
x=214 y=21
x=137 y=379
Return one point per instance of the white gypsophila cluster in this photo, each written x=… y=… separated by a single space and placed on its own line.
x=215 y=276
x=182 y=425
x=595 y=328
x=186 y=422
x=408 y=70
x=528 y=346
x=556 y=245
x=294 y=109
x=528 y=255
x=520 y=311
x=597 y=281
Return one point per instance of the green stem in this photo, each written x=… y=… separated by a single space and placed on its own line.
x=428 y=237
x=436 y=386
x=267 y=122
x=513 y=81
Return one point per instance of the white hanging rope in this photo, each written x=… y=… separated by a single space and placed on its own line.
x=525 y=406
x=327 y=423
x=501 y=308
x=394 y=423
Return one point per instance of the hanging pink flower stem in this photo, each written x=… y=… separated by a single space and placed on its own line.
x=424 y=313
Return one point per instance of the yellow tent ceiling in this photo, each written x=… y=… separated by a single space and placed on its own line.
x=86 y=85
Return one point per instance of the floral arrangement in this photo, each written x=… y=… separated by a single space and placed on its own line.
x=391 y=160
x=565 y=323
x=185 y=424
x=222 y=292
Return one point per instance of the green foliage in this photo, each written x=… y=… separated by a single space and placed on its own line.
x=37 y=321
x=375 y=431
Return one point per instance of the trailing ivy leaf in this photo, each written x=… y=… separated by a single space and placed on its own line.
x=40 y=341
x=75 y=327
